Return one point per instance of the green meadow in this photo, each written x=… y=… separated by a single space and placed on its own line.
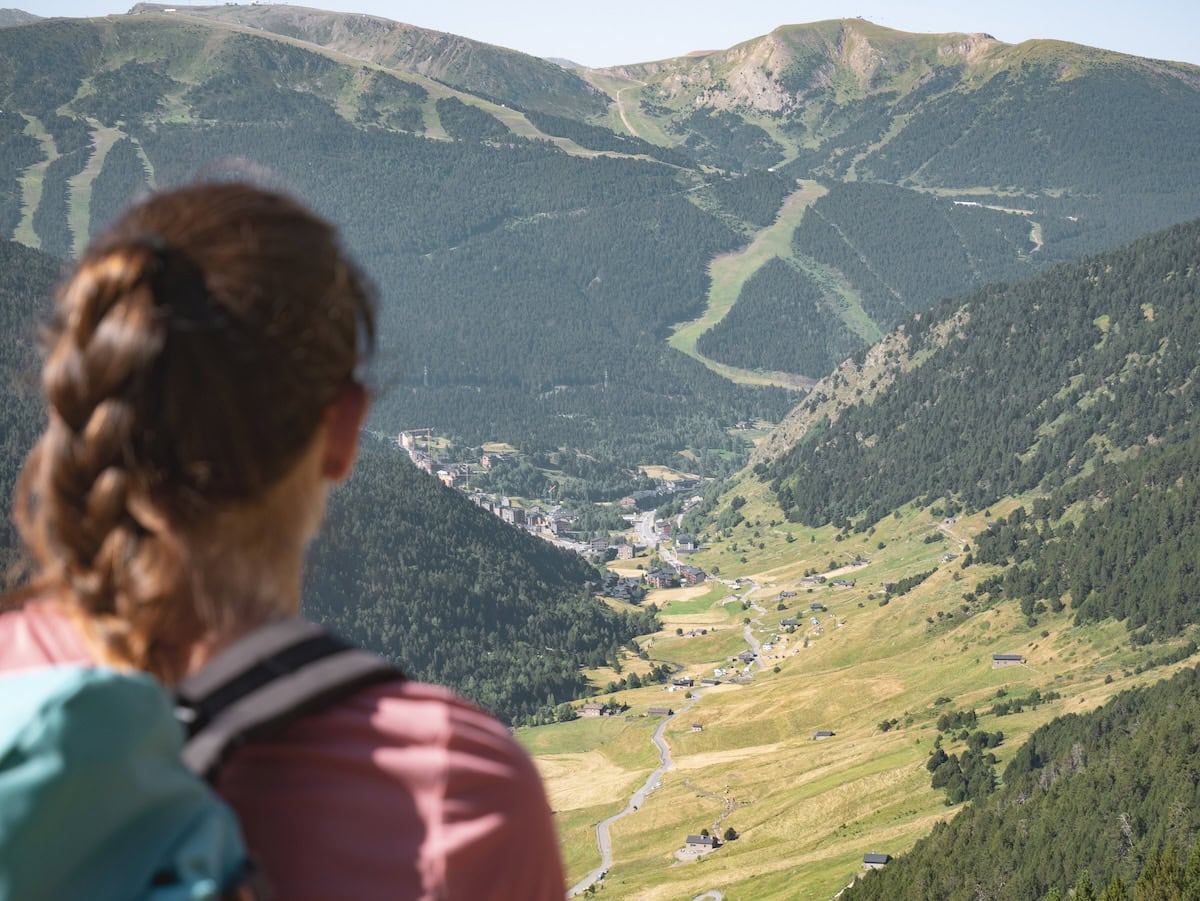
x=806 y=809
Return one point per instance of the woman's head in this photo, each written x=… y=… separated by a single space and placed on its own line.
x=197 y=352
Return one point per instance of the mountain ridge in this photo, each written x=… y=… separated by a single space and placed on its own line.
x=489 y=70
x=10 y=17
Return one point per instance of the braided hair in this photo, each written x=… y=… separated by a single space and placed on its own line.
x=193 y=353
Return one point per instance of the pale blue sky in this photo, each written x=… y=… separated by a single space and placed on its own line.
x=626 y=31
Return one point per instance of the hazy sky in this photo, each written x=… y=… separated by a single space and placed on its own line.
x=626 y=31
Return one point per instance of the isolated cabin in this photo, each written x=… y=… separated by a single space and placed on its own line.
x=697 y=727
x=1007 y=660
x=790 y=622
x=702 y=842
x=822 y=733
x=876 y=861
x=591 y=709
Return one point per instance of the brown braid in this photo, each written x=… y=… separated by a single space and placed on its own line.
x=194 y=351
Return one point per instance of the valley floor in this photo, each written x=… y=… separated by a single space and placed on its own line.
x=745 y=754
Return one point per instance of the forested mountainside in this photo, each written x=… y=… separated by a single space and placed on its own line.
x=533 y=264
x=1090 y=799
x=505 y=76
x=953 y=161
x=526 y=292
x=27 y=278
x=1017 y=387
x=1129 y=550
x=415 y=571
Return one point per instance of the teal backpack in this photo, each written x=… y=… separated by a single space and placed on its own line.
x=103 y=791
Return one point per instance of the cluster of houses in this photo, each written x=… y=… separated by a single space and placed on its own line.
x=633 y=589
x=554 y=523
x=648 y=499
x=623 y=588
x=674 y=576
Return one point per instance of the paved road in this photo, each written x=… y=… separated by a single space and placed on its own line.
x=603 y=839
x=747 y=632
x=644 y=524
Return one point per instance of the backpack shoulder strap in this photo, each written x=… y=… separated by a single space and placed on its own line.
x=264 y=681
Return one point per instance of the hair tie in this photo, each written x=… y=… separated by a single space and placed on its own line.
x=179 y=286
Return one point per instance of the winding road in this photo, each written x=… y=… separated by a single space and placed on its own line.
x=665 y=764
x=603 y=839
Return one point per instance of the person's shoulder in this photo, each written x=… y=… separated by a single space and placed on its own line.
x=494 y=836
x=417 y=710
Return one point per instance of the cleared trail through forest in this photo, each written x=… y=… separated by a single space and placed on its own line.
x=729 y=273
x=31 y=182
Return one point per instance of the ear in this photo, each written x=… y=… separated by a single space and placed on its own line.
x=343 y=422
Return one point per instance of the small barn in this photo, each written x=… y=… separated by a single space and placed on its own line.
x=876 y=861
x=822 y=733
x=1007 y=660
x=702 y=842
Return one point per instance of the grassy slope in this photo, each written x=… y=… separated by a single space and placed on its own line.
x=808 y=810
x=31 y=183
x=80 y=186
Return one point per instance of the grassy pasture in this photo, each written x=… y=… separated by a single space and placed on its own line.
x=807 y=810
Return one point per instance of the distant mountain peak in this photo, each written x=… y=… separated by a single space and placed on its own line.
x=9 y=17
